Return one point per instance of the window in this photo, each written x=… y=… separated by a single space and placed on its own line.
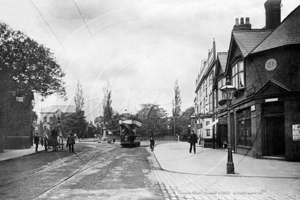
x=211 y=77
x=210 y=102
x=45 y=119
x=207 y=123
x=208 y=132
x=51 y=119
x=244 y=128
x=221 y=83
x=238 y=75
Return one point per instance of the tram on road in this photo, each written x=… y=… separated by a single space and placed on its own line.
x=128 y=133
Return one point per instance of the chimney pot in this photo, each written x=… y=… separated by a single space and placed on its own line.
x=237 y=21
x=247 y=20
x=242 y=20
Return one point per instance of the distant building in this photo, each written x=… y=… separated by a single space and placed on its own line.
x=51 y=116
x=204 y=101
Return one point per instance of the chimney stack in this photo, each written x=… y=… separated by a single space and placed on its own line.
x=273 y=13
x=242 y=20
x=240 y=25
x=247 y=20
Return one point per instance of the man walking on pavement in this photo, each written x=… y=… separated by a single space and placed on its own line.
x=36 y=142
x=193 y=141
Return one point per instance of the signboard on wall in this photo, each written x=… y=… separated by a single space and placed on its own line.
x=296 y=132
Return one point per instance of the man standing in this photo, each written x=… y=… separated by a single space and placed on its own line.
x=36 y=142
x=71 y=142
x=193 y=140
x=152 y=142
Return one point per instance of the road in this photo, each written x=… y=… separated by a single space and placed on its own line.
x=94 y=171
x=108 y=171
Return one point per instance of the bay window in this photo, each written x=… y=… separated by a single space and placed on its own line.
x=238 y=75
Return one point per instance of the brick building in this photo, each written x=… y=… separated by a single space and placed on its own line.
x=263 y=65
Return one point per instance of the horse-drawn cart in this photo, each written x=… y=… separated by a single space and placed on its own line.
x=54 y=144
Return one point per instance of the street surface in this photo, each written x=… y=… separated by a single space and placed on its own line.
x=108 y=171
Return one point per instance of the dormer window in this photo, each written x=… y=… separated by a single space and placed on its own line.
x=238 y=80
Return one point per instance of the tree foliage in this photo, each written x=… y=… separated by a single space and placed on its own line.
x=154 y=120
x=78 y=99
x=176 y=100
x=27 y=65
x=107 y=101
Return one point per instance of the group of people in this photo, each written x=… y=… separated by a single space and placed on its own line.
x=54 y=136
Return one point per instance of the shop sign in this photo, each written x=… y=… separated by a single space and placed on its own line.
x=270 y=64
x=271 y=100
x=296 y=132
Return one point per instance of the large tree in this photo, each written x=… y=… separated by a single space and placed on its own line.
x=25 y=67
x=78 y=99
x=107 y=107
x=176 y=105
x=153 y=119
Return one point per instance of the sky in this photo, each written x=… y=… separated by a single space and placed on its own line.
x=139 y=47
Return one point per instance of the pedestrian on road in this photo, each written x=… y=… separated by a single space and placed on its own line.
x=36 y=142
x=71 y=142
x=193 y=140
x=152 y=142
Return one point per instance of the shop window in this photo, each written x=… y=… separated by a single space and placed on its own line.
x=238 y=75
x=244 y=128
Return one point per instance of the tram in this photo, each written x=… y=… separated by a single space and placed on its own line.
x=128 y=133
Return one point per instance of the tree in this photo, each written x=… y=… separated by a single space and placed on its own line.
x=75 y=122
x=107 y=108
x=176 y=100
x=153 y=119
x=176 y=104
x=78 y=99
x=25 y=67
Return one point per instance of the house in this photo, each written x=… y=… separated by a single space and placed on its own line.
x=204 y=101
x=264 y=66
x=50 y=117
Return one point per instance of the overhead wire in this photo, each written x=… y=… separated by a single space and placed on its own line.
x=89 y=30
x=49 y=27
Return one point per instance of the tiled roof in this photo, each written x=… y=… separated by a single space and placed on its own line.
x=288 y=32
x=222 y=56
x=247 y=40
x=63 y=108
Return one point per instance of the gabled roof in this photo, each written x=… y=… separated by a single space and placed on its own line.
x=247 y=40
x=271 y=87
x=222 y=57
x=62 y=108
x=288 y=32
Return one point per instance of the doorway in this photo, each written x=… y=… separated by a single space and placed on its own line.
x=274 y=136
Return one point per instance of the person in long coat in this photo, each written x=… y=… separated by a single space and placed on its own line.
x=193 y=140
x=71 y=142
x=36 y=142
x=152 y=142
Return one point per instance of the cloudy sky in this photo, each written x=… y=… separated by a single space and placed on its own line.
x=139 y=46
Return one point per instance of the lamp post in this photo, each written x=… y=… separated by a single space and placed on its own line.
x=227 y=92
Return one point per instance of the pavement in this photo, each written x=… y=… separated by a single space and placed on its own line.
x=175 y=157
x=16 y=153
